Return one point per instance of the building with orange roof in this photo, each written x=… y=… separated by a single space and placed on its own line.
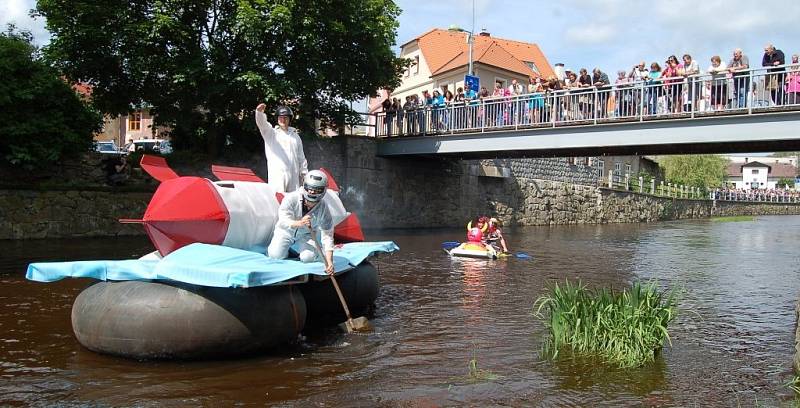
x=441 y=57
x=136 y=125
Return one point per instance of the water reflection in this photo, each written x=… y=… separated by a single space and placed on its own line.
x=732 y=344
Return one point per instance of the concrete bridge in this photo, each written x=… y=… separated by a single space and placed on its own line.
x=758 y=132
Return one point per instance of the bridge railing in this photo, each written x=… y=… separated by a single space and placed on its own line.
x=756 y=90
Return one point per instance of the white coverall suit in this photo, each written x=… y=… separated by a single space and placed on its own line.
x=291 y=210
x=286 y=162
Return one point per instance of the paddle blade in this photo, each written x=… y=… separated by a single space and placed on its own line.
x=448 y=245
x=355 y=325
x=522 y=255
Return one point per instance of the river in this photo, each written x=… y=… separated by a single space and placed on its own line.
x=732 y=343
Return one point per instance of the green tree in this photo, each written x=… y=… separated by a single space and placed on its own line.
x=785 y=182
x=203 y=65
x=42 y=120
x=699 y=170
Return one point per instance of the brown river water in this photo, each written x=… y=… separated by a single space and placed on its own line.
x=732 y=343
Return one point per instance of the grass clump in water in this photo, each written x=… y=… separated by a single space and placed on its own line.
x=736 y=218
x=475 y=374
x=626 y=328
x=794 y=384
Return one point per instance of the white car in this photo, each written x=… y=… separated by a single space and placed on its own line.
x=152 y=146
x=107 y=147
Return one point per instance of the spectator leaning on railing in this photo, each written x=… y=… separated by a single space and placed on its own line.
x=774 y=58
x=719 y=86
x=690 y=69
x=741 y=78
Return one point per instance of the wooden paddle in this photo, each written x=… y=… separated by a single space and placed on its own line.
x=359 y=324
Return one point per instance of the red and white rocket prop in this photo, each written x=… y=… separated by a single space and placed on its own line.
x=239 y=211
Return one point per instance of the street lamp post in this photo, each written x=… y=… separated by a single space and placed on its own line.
x=470 y=41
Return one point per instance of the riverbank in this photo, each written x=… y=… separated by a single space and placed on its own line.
x=385 y=193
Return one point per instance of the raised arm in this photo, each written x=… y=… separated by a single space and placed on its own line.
x=267 y=132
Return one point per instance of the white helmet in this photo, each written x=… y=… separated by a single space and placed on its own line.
x=314 y=185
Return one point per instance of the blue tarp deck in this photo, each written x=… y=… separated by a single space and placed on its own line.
x=208 y=265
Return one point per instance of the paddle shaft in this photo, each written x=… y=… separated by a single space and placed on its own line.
x=318 y=247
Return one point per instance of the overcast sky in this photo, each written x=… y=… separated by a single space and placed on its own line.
x=609 y=34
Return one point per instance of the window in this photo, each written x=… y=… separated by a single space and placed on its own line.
x=135 y=121
x=617 y=167
x=755 y=171
x=532 y=66
x=627 y=169
x=415 y=66
x=601 y=165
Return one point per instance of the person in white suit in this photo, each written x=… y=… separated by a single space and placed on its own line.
x=302 y=212
x=286 y=162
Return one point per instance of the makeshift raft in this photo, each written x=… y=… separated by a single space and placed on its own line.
x=208 y=290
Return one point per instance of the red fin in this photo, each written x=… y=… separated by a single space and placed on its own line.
x=331 y=182
x=234 y=173
x=157 y=168
x=349 y=230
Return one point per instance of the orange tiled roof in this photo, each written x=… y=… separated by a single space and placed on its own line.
x=775 y=169
x=83 y=89
x=445 y=50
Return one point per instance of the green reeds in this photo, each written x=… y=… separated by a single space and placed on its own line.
x=794 y=384
x=626 y=328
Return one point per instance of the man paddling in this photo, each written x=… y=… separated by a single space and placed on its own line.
x=300 y=213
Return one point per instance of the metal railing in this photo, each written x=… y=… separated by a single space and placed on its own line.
x=760 y=196
x=625 y=182
x=745 y=92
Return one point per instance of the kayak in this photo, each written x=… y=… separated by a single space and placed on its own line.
x=473 y=250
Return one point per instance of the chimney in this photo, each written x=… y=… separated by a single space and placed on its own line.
x=745 y=160
x=484 y=33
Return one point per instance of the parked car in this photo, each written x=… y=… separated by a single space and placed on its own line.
x=153 y=146
x=107 y=147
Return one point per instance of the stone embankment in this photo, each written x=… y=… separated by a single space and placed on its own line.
x=385 y=193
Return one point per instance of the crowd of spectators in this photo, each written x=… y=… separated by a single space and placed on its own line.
x=679 y=87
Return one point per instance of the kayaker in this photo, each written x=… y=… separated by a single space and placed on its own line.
x=301 y=212
x=286 y=162
x=494 y=234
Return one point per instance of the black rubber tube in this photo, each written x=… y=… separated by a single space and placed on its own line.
x=159 y=320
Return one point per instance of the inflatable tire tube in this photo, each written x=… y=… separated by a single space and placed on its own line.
x=360 y=289
x=170 y=320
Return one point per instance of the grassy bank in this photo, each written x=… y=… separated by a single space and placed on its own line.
x=735 y=218
x=626 y=328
